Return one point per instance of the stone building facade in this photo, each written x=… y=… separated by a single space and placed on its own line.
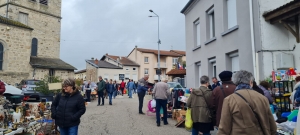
x=30 y=40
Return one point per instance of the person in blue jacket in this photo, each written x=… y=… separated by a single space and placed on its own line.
x=130 y=87
x=141 y=90
x=110 y=90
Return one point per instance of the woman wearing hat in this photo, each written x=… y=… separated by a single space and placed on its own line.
x=67 y=108
x=244 y=112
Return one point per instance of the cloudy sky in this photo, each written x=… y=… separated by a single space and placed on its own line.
x=91 y=28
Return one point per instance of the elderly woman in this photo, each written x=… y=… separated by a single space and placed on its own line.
x=67 y=108
x=264 y=85
x=244 y=112
x=200 y=107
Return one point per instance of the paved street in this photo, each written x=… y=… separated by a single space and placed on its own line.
x=122 y=118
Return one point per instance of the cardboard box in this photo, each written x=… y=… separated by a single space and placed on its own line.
x=175 y=114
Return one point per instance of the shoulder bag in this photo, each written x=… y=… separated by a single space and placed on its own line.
x=255 y=114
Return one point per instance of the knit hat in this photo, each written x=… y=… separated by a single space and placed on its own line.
x=225 y=75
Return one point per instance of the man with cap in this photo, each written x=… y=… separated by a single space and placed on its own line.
x=220 y=92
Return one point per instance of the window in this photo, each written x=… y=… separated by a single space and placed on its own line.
x=212 y=67
x=197 y=34
x=45 y=2
x=51 y=74
x=1 y=56
x=174 y=61
x=127 y=69
x=231 y=13
x=127 y=76
x=133 y=69
x=214 y=70
x=116 y=77
x=197 y=76
x=146 y=60
x=33 y=0
x=23 y=18
x=146 y=71
x=211 y=17
x=134 y=77
x=235 y=63
x=34 y=47
x=105 y=77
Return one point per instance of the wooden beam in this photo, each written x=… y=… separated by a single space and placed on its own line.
x=285 y=16
x=297 y=29
x=281 y=10
x=289 y=28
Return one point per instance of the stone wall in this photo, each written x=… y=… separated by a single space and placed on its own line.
x=91 y=73
x=41 y=73
x=45 y=20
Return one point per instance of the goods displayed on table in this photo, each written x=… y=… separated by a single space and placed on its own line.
x=25 y=118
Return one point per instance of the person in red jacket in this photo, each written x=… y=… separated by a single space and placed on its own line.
x=2 y=87
x=122 y=86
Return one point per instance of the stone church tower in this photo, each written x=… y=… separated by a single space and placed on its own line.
x=30 y=40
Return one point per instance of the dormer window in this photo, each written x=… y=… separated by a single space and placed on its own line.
x=44 y=2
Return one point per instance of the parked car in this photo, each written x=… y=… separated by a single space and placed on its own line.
x=174 y=85
x=28 y=89
x=12 y=91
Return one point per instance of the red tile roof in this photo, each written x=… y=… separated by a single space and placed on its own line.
x=162 y=52
x=178 y=52
x=177 y=72
x=123 y=60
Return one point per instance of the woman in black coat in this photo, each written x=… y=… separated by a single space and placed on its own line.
x=67 y=108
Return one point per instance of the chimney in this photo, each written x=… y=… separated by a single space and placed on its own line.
x=106 y=53
x=120 y=57
x=92 y=58
x=96 y=61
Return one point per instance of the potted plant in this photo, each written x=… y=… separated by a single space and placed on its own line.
x=43 y=89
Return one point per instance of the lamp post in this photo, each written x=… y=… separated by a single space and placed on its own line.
x=158 y=42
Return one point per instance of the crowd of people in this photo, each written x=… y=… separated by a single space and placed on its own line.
x=234 y=105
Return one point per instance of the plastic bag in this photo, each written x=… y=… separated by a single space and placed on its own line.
x=153 y=103
x=188 y=119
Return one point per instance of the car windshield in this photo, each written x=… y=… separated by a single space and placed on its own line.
x=174 y=85
x=32 y=82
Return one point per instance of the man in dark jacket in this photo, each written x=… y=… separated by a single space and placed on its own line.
x=216 y=83
x=2 y=87
x=101 y=88
x=67 y=108
x=142 y=89
x=222 y=91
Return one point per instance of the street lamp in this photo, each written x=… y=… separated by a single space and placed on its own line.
x=158 y=42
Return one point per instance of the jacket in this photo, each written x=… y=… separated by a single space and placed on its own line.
x=218 y=97
x=199 y=109
x=142 y=86
x=215 y=85
x=110 y=88
x=115 y=86
x=101 y=86
x=267 y=94
x=67 y=109
x=161 y=90
x=2 y=88
x=292 y=97
x=130 y=86
x=238 y=119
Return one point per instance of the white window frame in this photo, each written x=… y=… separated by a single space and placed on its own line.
x=174 y=60
x=214 y=71
x=127 y=76
x=134 y=77
x=234 y=56
x=106 y=76
x=212 y=29
x=126 y=68
x=146 y=59
x=23 y=18
x=116 y=77
x=199 y=74
x=231 y=13
x=146 y=73
x=197 y=33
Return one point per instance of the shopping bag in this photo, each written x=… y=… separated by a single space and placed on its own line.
x=188 y=119
x=153 y=103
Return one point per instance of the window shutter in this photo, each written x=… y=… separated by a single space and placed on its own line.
x=1 y=56
x=34 y=47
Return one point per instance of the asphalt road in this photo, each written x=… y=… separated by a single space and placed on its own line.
x=122 y=118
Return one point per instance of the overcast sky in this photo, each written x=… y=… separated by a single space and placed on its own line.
x=91 y=28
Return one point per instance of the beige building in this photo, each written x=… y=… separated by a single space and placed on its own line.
x=81 y=74
x=30 y=40
x=147 y=59
x=111 y=67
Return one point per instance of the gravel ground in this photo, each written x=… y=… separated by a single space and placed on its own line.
x=122 y=118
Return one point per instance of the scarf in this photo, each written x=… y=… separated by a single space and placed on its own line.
x=243 y=86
